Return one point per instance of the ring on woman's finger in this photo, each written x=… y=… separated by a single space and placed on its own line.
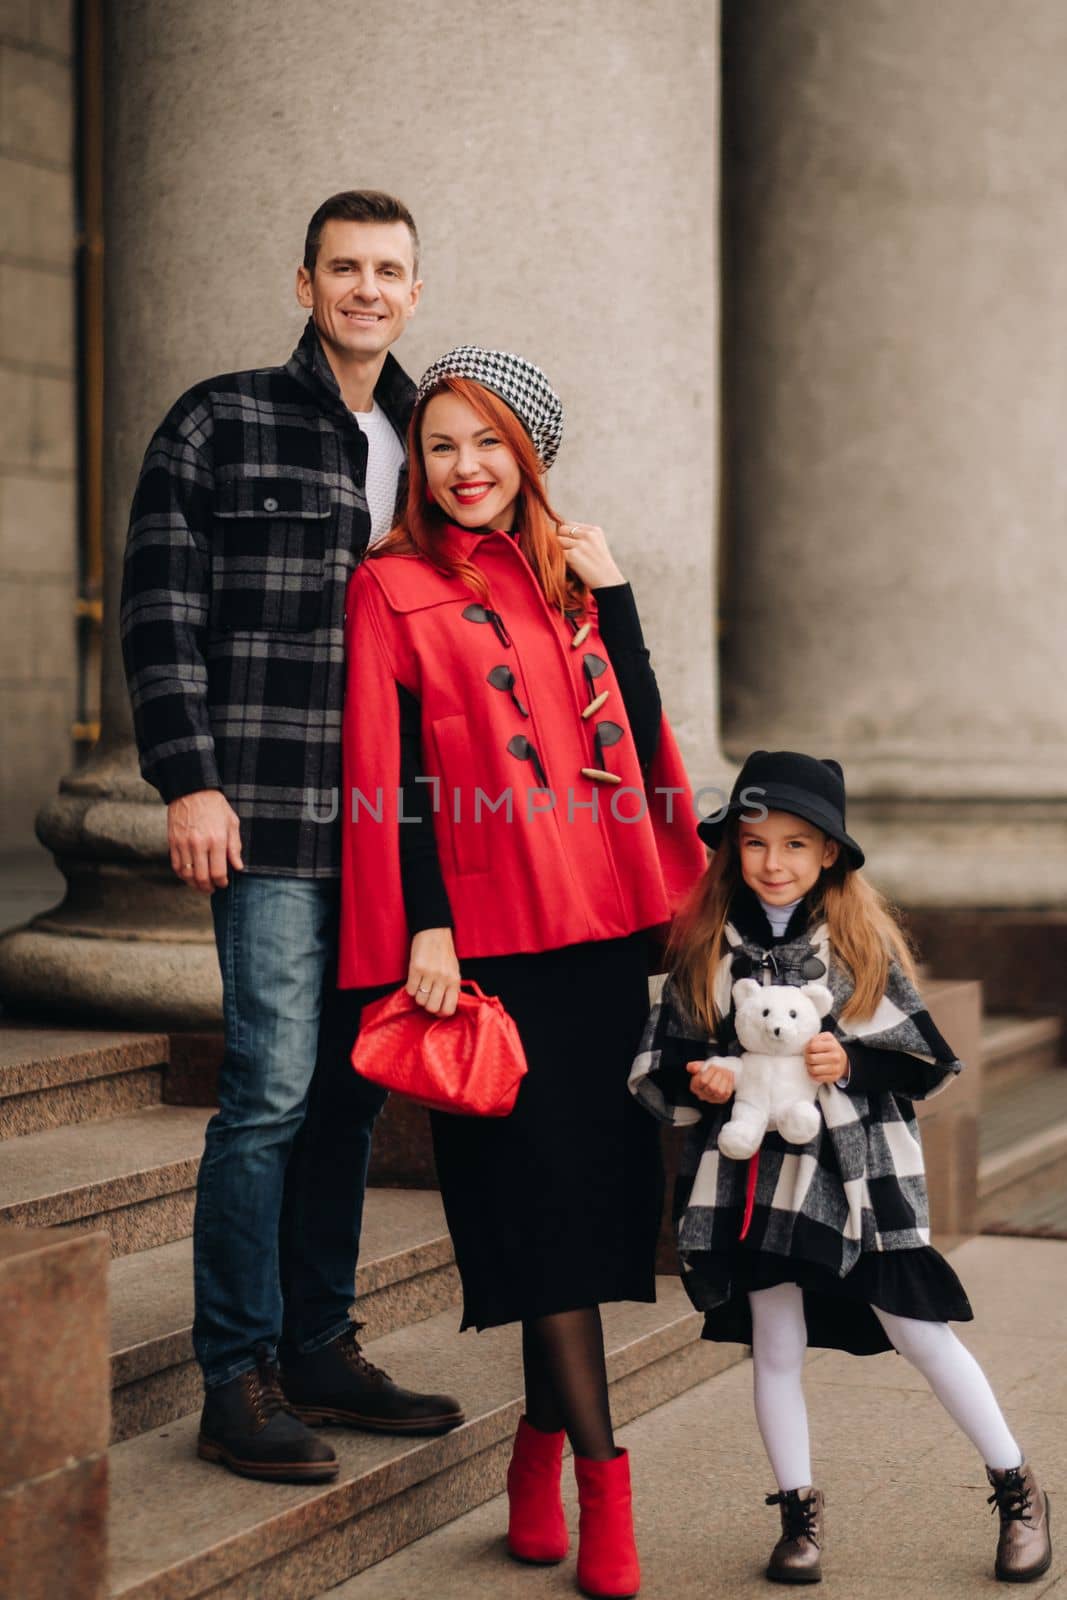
x=424 y=988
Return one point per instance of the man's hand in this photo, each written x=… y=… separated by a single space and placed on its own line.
x=433 y=971
x=712 y=1080
x=588 y=556
x=826 y=1058
x=204 y=835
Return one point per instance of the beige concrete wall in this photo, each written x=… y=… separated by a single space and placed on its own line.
x=561 y=159
x=37 y=410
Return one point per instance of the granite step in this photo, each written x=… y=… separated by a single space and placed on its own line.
x=1022 y=1149
x=1017 y=1048
x=53 y=1077
x=406 y=1274
x=132 y=1175
x=181 y=1528
x=1039 y=1215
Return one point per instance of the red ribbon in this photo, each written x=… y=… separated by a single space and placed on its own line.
x=750 y=1193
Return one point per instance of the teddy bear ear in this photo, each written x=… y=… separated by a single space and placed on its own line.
x=820 y=997
x=745 y=989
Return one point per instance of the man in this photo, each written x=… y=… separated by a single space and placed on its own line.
x=258 y=496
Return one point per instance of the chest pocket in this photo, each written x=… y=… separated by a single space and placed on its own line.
x=269 y=555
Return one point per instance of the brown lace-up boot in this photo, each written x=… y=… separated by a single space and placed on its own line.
x=1024 y=1549
x=796 y=1558
x=339 y=1384
x=248 y=1426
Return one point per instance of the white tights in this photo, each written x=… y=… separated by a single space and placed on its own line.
x=779 y=1340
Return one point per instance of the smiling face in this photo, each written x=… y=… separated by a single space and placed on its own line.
x=471 y=473
x=362 y=292
x=783 y=856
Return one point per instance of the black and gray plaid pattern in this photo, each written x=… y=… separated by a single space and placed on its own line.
x=248 y=520
x=516 y=381
x=859 y=1186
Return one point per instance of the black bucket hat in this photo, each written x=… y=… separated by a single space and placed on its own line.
x=785 y=780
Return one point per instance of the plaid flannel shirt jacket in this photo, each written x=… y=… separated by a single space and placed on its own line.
x=249 y=518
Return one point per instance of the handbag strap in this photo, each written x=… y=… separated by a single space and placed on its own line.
x=488 y=1005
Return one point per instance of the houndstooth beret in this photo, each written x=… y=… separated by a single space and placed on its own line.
x=517 y=382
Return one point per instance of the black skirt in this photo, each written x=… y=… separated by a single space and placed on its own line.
x=557 y=1206
x=907 y=1283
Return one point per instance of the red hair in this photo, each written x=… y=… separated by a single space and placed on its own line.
x=423 y=530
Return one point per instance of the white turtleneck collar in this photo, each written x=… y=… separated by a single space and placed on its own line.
x=778 y=916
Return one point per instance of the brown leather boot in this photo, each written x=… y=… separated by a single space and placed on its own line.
x=248 y=1426
x=796 y=1558
x=339 y=1384
x=1024 y=1549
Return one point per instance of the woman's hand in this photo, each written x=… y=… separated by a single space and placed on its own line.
x=826 y=1058
x=588 y=556
x=712 y=1080
x=433 y=971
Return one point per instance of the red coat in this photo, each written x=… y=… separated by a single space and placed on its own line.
x=553 y=874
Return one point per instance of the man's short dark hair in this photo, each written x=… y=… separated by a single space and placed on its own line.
x=358 y=205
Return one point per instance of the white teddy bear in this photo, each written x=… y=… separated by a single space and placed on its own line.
x=772 y=1088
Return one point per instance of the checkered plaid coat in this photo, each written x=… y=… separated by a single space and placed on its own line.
x=860 y=1184
x=249 y=518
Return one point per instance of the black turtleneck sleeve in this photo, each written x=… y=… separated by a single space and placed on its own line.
x=425 y=896
x=620 y=630
x=876 y=1071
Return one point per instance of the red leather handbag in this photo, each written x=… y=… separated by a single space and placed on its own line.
x=470 y=1063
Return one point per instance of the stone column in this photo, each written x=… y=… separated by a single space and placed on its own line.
x=128 y=943
x=563 y=171
x=38 y=445
x=896 y=402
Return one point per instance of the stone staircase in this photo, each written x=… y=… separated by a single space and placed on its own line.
x=87 y=1144
x=1022 y=1168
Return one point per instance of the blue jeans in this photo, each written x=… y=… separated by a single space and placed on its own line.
x=279 y=1200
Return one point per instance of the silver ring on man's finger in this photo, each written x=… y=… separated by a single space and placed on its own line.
x=187 y=866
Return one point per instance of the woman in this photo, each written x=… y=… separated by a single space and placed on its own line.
x=499 y=688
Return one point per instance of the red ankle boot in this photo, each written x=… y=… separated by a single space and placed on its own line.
x=607 y=1555
x=537 y=1529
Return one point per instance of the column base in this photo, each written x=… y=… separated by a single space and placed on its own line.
x=129 y=945
x=952 y=853
x=159 y=985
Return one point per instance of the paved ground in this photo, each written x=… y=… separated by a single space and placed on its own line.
x=907 y=1517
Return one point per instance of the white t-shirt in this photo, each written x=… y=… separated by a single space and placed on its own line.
x=385 y=457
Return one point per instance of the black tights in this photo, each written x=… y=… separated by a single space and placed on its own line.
x=567 y=1380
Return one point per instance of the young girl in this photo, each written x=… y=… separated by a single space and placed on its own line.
x=836 y=1249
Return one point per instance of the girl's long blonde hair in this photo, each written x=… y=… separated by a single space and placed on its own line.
x=864 y=934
